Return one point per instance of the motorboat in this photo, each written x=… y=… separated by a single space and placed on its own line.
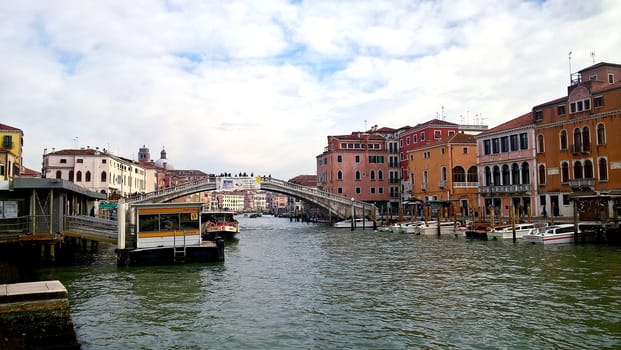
x=554 y=234
x=431 y=228
x=220 y=223
x=506 y=232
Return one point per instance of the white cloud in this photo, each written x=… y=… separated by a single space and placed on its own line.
x=258 y=86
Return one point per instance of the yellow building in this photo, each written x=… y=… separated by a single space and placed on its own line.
x=446 y=170
x=12 y=141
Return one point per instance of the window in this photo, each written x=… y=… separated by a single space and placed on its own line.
x=422 y=136
x=540 y=144
x=372 y=190
x=581 y=105
x=339 y=175
x=495 y=145
x=71 y=175
x=357 y=175
x=472 y=174
x=514 y=142
x=538 y=115
x=443 y=175
x=339 y=159
x=451 y=133
x=372 y=174
x=523 y=141
x=504 y=144
x=603 y=169
x=380 y=175
x=598 y=102
x=563 y=139
x=465 y=150
x=437 y=134
x=78 y=177
x=505 y=175
x=79 y=160
x=588 y=169
x=357 y=159
x=496 y=175
x=560 y=110
x=565 y=199
x=104 y=176
x=407 y=140
x=577 y=141
x=2 y=170
x=7 y=141
x=443 y=150
x=542 y=174
x=564 y=172
x=63 y=161
x=103 y=161
x=611 y=78
x=601 y=134
x=415 y=138
x=358 y=190
x=578 y=170
x=586 y=139
x=487 y=147
x=339 y=190
x=58 y=174
x=515 y=174
x=488 y=176
x=87 y=176
x=525 y=173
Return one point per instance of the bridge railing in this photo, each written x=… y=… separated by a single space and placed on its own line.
x=169 y=190
x=105 y=228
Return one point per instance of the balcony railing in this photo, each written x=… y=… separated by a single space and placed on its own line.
x=442 y=184
x=581 y=183
x=503 y=189
x=580 y=148
x=465 y=184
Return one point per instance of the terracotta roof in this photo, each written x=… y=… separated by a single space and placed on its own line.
x=77 y=152
x=358 y=136
x=4 y=127
x=27 y=172
x=305 y=180
x=521 y=121
x=434 y=122
x=600 y=64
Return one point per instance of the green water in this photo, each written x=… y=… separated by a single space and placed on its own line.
x=298 y=286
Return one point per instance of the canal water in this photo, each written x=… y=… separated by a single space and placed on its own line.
x=291 y=285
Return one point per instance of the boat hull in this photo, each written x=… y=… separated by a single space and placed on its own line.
x=206 y=252
x=555 y=239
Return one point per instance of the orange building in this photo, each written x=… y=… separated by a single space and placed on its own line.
x=445 y=170
x=578 y=154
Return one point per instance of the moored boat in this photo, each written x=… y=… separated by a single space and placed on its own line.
x=555 y=234
x=478 y=231
x=219 y=222
x=506 y=232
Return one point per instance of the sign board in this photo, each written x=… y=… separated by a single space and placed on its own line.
x=237 y=183
x=8 y=209
x=107 y=205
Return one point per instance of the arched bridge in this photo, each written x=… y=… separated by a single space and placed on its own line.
x=338 y=205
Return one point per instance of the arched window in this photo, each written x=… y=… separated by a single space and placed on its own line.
x=578 y=170
x=380 y=175
x=87 y=176
x=443 y=175
x=339 y=175
x=104 y=176
x=488 y=176
x=601 y=134
x=78 y=176
x=472 y=174
x=71 y=175
x=542 y=174
x=515 y=174
x=372 y=174
x=588 y=169
x=357 y=175
x=496 y=175
x=603 y=169
x=564 y=172
x=563 y=137
x=540 y=144
x=459 y=174
x=58 y=174
x=506 y=176
x=525 y=174
x=586 y=139
x=577 y=140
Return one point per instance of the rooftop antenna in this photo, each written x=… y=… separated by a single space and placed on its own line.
x=593 y=56
x=443 y=116
x=76 y=142
x=365 y=125
x=569 y=56
x=461 y=118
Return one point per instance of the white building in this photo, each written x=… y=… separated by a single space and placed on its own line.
x=99 y=171
x=232 y=201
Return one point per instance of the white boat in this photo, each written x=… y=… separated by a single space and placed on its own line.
x=218 y=222
x=506 y=232
x=431 y=228
x=360 y=223
x=555 y=234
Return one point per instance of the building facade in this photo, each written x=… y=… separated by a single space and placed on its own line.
x=578 y=154
x=506 y=166
x=445 y=170
x=10 y=154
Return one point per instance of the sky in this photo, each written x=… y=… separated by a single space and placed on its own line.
x=258 y=86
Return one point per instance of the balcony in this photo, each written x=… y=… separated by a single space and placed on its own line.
x=580 y=148
x=423 y=186
x=465 y=184
x=442 y=184
x=581 y=183
x=504 y=189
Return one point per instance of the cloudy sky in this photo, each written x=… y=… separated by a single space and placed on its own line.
x=257 y=86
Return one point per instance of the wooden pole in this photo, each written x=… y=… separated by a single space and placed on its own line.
x=513 y=222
